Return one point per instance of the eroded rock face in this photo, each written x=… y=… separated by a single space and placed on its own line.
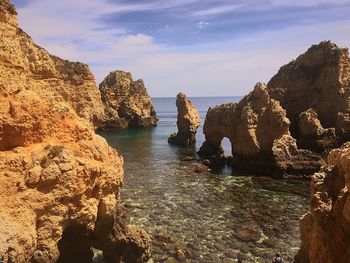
x=188 y=121
x=70 y=82
x=325 y=229
x=258 y=129
x=59 y=181
x=320 y=80
x=127 y=102
x=312 y=135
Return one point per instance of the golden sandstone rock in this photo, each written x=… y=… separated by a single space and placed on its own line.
x=188 y=121
x=258 y=130
x=325 y=229
x=59 y=181
x=306 y=105
x=312 y=135
x=319 y=80
x=127 y=102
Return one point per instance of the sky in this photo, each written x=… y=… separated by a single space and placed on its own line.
x=200 y=47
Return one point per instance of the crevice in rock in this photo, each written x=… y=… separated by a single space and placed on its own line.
x=75 y=244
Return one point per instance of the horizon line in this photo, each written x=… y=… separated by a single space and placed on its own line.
x=171 y=97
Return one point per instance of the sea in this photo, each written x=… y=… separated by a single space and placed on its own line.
x=204 y=217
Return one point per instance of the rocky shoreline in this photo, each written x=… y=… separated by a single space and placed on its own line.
x=60 y=182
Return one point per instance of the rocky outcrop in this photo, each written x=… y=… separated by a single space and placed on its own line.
x=188 y=121
x=70 y=82
x=325 y=229
x=127 y=102
x=258 y=130
x=319 y=80
x=312 y=135
x=59 y=181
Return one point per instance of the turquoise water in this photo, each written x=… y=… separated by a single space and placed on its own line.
x=195 y=216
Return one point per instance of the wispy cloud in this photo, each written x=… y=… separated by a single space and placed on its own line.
x=307 y=2
x=202 y=24
x=216 y=10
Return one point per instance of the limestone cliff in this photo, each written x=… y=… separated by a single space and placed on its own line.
x=188 y=121
x=258 y=129
x=319 y=79
x=70 y=82
x=59 y=181
x=325 y=229
x=127 y=102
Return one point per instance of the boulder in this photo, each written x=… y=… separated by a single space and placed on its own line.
x=188 y=121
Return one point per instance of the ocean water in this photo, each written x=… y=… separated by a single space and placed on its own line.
x=194 y=216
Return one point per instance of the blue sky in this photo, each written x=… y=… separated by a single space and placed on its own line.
x=200 y=47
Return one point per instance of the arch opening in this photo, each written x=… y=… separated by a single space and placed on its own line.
x=227 y=146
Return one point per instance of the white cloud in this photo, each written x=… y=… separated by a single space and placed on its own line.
x=122 y=48
x=202 y=24
x=216 y=10
x=70 y=29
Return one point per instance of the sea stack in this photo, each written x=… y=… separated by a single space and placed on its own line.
x=59 y=181
x=188 y=121
x=127 y=102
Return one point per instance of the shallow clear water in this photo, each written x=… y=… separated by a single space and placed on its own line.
x=209 y=217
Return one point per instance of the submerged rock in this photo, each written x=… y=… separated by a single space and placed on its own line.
x=258 y=129
x=319 y=80
x=127 y=102
x=188 y=121
x=325 y=229
x=59 y=181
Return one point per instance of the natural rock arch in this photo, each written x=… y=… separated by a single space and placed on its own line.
x=258 y=129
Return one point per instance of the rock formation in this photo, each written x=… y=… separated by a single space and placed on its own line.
x=188 y=121
x=127 y=102
x=59 y=181
x=258 y=129
x=71 y=82
x=325 y=229
x=319 y=80
x=312 y=135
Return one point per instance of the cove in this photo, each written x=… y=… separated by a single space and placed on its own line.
x=214 y=217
